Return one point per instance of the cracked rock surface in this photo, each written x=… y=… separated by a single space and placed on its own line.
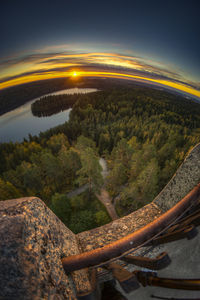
x=183 y=181
x=33 y=240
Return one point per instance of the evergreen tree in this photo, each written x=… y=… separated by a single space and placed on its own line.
x=90 y=173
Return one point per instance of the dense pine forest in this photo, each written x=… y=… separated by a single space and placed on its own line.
x=144 y=135
x=50 y=105
x=13 y=97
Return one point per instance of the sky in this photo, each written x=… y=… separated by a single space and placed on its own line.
x=152 y=40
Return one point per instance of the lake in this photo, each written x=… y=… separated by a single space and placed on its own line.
x=18 y=123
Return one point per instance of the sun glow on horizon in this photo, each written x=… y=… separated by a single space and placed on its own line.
x=97 y=74
x=75 y=66
x=75 y=74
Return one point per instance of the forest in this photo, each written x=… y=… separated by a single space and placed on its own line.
x=13 y=97
x=144 y=134
x=50 y=105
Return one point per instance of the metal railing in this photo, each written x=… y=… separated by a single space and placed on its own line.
x=135 y=240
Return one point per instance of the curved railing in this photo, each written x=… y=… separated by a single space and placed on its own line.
x=40 y=234
x=133 y=241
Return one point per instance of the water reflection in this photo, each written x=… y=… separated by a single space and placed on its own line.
x=17 y=124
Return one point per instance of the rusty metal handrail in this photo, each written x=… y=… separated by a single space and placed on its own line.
x=151 y=279
x=134 y=240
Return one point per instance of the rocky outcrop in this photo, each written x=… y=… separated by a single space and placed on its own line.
x=33 y=240
x=101 y=236
x=183 y=181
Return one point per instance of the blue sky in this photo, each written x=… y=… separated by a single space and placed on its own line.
x=162 y=34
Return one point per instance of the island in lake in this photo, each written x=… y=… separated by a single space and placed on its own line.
x=142 y=134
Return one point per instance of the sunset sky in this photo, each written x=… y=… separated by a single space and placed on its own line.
x=152 y=41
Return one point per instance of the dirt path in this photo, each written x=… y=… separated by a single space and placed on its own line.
x=104 y=197
x=106 y=201
x=77 y=191
x=103 y=164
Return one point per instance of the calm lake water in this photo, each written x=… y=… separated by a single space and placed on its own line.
x=18 y=123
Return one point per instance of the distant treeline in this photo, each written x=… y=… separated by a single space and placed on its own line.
x=13 y=97
x=143 y=133
x=16 y=96
x=49 y=105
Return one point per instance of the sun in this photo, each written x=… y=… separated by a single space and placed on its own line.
x=75 y=74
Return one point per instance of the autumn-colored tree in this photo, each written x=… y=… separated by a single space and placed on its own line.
x=70 y=163
x=90 y=173
x=84 y=142
x=56 y=142
x=8 y=191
